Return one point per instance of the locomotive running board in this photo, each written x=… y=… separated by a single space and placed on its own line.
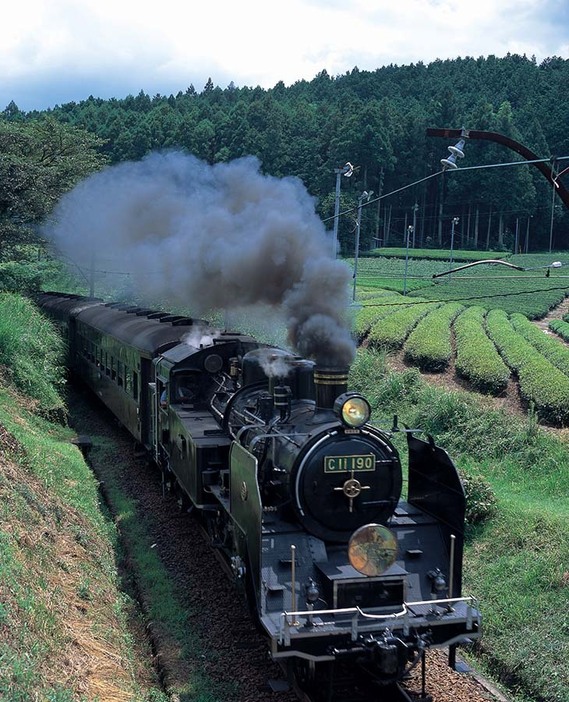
x=354 y=621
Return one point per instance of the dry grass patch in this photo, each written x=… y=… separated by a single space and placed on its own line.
x=59 y=614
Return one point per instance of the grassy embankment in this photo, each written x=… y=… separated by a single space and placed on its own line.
x=517 y=562
x=65 y=623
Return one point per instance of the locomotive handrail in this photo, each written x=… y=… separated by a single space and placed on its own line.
x=289 y=620
x=277 y=434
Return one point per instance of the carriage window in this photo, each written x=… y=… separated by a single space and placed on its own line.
x=120 y=373
x=135 y=384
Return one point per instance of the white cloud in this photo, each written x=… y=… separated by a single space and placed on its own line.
x=163 y=47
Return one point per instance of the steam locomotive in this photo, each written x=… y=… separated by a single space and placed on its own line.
x=300 y=494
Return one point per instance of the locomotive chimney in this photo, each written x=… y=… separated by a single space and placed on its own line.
x=329 y=383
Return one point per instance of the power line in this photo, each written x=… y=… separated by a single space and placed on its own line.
x=463 y=299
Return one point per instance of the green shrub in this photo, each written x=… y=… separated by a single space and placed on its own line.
x=391 y=332
x=549 y=346
x=477 y=359
x=507 y=292
x=375 y=308
x=560 y=327
x=386 y=391
x=16 y=277
x=434 y=254
x=429 y=345
x=481 y=502
x=540 y=381
x=32 y=351
x=28 y=274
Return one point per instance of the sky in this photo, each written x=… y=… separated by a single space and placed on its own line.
x=57 y=51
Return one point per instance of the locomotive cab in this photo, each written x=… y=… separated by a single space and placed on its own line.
x=189 y=444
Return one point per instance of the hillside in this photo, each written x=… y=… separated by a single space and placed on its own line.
x=376 y=120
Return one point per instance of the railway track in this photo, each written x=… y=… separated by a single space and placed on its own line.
x=229 y=647
x=346 y=690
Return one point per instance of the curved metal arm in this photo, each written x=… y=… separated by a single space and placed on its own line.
x=477 y=263
x=545 y=168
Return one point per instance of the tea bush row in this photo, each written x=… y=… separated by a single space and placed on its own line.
x=511 y=294
x=477 y=359
x=540 y=381
x=429 y=345
x=553 y=349
x=434 y=254
x=560 y=327
x=378 y=307
x=391 y=332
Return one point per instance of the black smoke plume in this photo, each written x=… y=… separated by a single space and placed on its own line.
x=223 y=236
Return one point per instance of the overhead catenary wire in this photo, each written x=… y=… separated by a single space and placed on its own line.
x=444 y=170
x=459 y=299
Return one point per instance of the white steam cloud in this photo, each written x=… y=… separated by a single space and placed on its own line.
x=275 y=365
x=199 y=337
x=223 y=236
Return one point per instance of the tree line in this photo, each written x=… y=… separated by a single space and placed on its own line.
x=375 y=120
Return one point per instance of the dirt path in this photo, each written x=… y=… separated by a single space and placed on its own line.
x=556 y=313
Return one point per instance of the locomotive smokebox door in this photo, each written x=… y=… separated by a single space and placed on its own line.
x=246 y=508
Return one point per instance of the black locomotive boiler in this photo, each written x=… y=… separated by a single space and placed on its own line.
x=300 y=494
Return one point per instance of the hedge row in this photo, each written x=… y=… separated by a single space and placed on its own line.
x=391 y=332
x=378 y=307
x=429 y=345
x=477 y=359
x=540 y=381
x=560 y=327
x=553 y=349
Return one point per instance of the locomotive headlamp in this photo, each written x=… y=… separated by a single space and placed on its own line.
x=372 y=549
x=352 y=409
x=312 y=592
x=438 y=582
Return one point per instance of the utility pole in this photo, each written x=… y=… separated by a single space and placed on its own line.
x=364 y=196
x=346 y=170
x=455 y=221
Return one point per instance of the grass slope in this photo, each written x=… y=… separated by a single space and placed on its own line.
x=63 y=624
x=517 y=562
